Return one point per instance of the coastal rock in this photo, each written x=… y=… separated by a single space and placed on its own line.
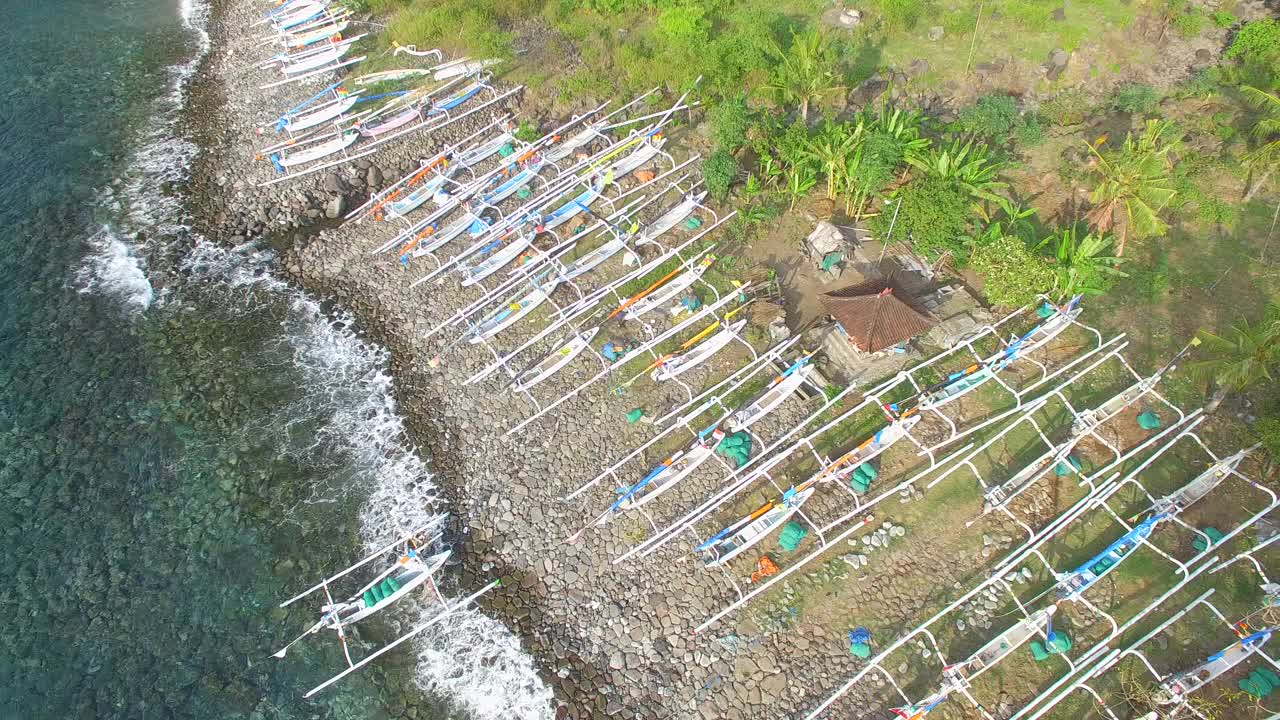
x=335 y=207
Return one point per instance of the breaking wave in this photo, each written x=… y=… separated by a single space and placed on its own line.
x=472 y=661
x=479 y=664
x=112 y=268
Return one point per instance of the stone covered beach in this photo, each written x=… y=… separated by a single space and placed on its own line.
x=611 y=640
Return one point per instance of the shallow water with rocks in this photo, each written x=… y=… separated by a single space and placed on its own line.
x=184 y=440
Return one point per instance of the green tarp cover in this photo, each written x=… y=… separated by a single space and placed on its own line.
x=791 y=536
x=1045 y=310
x=1149 y=421
x=861 y=650
x=1257 y=685
x=1061 y=643
x=635 y=415
x=736 y=447
x=865 y=470
x=369 y=599
x=693 y=223
x=1215 y=536
x=830 y=260
x=1061 y=470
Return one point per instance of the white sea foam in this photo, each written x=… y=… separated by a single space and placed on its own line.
x=112 y=268
x=473 y=661
x=479 y=664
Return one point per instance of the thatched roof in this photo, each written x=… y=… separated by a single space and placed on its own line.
x=876 y=314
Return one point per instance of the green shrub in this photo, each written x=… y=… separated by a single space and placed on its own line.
x=1223 y=19
x=719 y=171
x=455 y=25
x=527 y=132
x=730 y=121
x=1257 y=41
x=902 y=14
x=1203 y=84
x=1069 y=107
x=1216 y=211
x=1135 y=98
x=1190 y=24
x=1029 y=131
x=993 y=116
x=933 y=217
x=1012 y=275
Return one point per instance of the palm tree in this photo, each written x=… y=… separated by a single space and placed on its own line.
x=1242 y=359
x=1264 y=159
x=806 y=72
x=1083 y=265
x=964 y=162
x=1134 y=183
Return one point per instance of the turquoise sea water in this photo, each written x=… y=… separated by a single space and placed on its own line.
x=183 y=440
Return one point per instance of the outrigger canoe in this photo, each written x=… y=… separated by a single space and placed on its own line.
x=782 y=388
x=666 y=475
x=499 y=253
x=323 y=114
x=1082 y=578
x=512 y=311
x=751 y=529
x=315 y=152
x=553 y=361
x=668 y=293
x=1177 y=688
x=700 y=353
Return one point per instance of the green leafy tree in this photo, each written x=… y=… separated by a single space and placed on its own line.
x=719 y=171
x=730 y=122
x=932 y=215
x=1083 y=263
x=1012 y=274
x=806 y=73
x=1134 y=184
x=1265 y=157
x=1246 y=356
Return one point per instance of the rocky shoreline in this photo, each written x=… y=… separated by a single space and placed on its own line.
x=612 y=641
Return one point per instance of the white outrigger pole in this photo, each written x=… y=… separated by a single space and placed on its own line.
x=405 y=572
x=773 y=456
x=419 y=629
x=581 y=309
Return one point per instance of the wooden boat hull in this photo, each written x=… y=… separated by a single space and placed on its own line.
x=769 y=401
x=303 y=157
x=322 y=115
x=684 y=466
x=671 y=217
x=497 y=260
x=552 y=364
x=754 y=532
x=681 y=364
x=513 y=313
x=681 y=283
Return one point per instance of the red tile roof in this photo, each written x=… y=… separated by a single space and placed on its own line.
x=875 y=315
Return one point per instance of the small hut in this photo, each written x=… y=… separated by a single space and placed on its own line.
x=876 y=315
